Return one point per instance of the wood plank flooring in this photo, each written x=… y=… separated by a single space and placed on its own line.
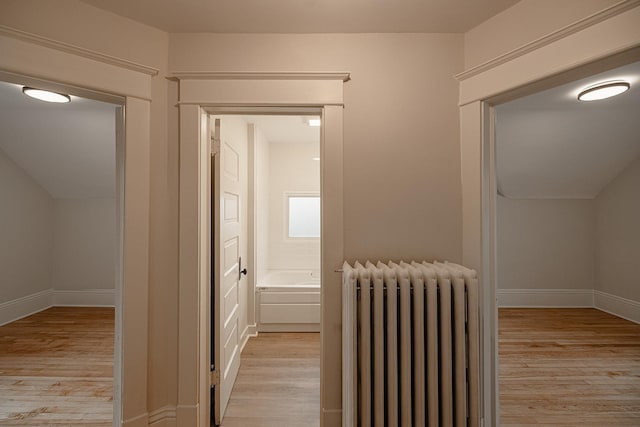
x=568 y=367
x=56 y=368
x=278 y=383
x=558 y=367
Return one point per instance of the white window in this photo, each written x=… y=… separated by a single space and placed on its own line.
x=303 y=216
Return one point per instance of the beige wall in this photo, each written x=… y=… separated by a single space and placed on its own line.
x=401 y=152
x=618 y=235
x=522 y=23
x=546 y=244
x=84 y=244
x=292 y=170
x=26 y=224
x=401 y=175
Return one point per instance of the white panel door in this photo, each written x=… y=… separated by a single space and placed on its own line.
x=229 y=186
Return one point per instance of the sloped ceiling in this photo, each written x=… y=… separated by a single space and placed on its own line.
x=310 y=16
x=550 y=145
x=69 y=149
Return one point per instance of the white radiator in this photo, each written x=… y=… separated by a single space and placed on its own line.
x=410 y=345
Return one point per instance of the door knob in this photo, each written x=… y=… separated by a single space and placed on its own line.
x=241 y=270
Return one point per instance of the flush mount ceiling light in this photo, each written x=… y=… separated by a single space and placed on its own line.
x=603 y=90
x=45 y=95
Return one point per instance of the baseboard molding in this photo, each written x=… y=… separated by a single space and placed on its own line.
x=249 y=331
x=538 y=298
x=163 y=417
x=541 y=298
x=16 y=309
x=13 y=310
x=618 y=306
x=289 y=327
x=84 y=298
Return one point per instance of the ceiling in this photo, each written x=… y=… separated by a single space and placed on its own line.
x=69 y=149
x=550 y=145
x=307 y=16
x=290 y=129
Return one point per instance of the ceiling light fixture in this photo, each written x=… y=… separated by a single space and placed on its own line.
x=45 y=95
x=314 y=122
x=603 y=90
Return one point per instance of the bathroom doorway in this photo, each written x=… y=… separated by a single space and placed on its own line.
x=266 y=253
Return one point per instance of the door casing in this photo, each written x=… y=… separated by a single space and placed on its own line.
x=253 y=94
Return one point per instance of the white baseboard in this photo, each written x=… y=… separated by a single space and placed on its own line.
x=545 y=298
x=540 y=298
x=16 y=309
x=249 y=331
x=84 y=298
x=618 y=306
x=13 y=310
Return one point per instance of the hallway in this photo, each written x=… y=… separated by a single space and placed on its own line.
x=279 y=382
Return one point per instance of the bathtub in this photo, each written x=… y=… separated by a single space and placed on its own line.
x=289 y=301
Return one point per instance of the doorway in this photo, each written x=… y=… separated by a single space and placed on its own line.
x=266 y=241
x=567 y=176
x=253 y=93
x=61 y=167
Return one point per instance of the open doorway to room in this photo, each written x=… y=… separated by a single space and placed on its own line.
x=59 y=258
x=266 y=267
x=568 y=239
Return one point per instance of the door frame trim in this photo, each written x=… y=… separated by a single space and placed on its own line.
x=27 y=58
x=606 y=43
x=282 y=92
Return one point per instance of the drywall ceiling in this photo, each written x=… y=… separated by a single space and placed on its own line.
x=307 y=16
x=286 y=128
x=550 y=145
x=69 y=149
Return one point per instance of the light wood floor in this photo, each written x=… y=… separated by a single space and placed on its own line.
x=56 y=368
x=278 y=384
x=568 y=367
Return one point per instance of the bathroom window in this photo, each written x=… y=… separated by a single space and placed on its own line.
x=303 y=216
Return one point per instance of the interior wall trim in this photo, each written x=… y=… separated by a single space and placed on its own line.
x=618 y=306
x=84 y=298
x=266 y=75
x=27 y=305
x=565 y=298
x=77 y=50
x=577 y=26
x=163 y=415
x=539 y=298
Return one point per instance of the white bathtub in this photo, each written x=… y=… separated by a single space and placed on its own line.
x=289 y=301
